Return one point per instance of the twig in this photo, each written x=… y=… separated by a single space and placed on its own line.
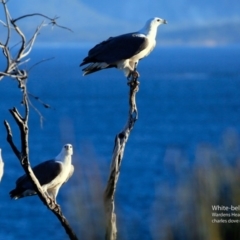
x=43 y=60
x=52 y=20
x=31 y=15
x=10 y=139
x=119 y=147
x=35 y=109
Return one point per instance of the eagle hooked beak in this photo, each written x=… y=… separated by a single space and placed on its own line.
x=164 y=21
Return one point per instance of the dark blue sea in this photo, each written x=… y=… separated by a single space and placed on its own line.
x=182 y=150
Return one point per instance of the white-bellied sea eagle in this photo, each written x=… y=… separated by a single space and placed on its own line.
x=51 y=175
x=124 y=51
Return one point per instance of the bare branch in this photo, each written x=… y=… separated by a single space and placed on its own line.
x=54 y=23
x=3 y=23
x=12 y=70
x=10 y=139
x=25 y=46
x=43 y=60
x=31 y=15
x=35 y=109
x=52 y=20
x=23 y=42
x=7 y=21
x=40 y=101
x=38 y=112
x=5 y=49
x=29 y=46
x=119 y=147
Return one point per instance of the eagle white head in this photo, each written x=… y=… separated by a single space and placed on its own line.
x=155 y=22
x=67 y=149
x=66 y=152
x=150 y=28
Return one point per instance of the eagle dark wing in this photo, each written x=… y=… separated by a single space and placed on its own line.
x=45 y=173
x=116 y=48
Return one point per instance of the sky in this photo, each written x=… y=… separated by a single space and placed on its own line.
x=203 y=22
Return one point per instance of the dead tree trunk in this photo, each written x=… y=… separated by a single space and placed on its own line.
x=120 y=142
x=13 y=70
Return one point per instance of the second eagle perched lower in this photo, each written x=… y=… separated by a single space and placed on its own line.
x=51 y=175
x=124 y=51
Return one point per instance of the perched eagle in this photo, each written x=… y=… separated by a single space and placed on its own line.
x=124 y=51
x=51 y=175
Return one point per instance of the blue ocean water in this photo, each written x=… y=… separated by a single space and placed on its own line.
x=188 y=96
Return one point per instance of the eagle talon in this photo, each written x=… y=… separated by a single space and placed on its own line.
x=133 y=83
x=132 y=77
x=134 y=74
x=53 y=204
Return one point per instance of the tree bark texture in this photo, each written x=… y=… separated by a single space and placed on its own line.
x=120 y=142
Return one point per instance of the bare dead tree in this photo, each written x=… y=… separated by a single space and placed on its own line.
x=119 y=147
x=14 y=71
